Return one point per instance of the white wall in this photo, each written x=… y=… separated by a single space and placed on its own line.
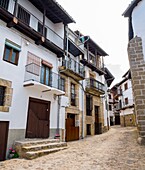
x=138 y=22
x=127 y=112
x=18 y=111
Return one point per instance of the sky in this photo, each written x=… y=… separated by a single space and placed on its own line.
x=102 y=20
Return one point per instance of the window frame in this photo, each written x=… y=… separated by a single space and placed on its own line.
x=2 y=95
x=62 y=84
x=44 y=81
x=11 y=54
x=73 y=94
x=126 y=101
x=125 y=86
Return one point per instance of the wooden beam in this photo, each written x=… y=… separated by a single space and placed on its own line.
x=12 y=23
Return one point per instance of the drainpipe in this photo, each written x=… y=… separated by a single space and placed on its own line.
x=82 y=112
x=57 y=135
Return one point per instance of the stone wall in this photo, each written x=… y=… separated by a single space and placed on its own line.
x=8 y=95
x=137 y=66
x=128 y=120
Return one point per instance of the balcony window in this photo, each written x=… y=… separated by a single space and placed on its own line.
x=11 y=52
x=4 y=4
x=92 y=59
x=40 y=29
x=45 y=75
x=73 y=95
x=23 y=15
x=62 y=84
x=2 y=95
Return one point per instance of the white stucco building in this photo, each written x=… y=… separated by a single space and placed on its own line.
x=31 y=41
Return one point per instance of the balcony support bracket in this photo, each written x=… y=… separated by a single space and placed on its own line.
x=12 y=23
x=40 y=41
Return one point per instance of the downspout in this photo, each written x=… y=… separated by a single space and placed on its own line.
x=82 y=112
x=57 y=135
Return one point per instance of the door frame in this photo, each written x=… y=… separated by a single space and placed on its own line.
x=5 y=139
x=40 y=101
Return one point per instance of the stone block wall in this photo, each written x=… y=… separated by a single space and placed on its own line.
x=128 y=120
x=8 y=95
x=137 y=67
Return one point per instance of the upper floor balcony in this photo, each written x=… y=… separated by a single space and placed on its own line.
x=17 y=16
x=43 y=79
x=93 y=62
x=95 y=87
x=72 y=69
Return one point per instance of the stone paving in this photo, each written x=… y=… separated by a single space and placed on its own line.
x=113 y=150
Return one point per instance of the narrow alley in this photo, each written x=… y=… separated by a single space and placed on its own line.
x=115 y=150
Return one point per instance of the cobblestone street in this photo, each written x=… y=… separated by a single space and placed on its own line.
x=116 y=149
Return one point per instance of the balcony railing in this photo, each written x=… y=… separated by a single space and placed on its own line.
x=74 y=66
x=30 y=20
x=33 y=72
x=92 y=83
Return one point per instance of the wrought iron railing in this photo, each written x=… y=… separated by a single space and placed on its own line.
x=33 y=72
x=32 y=21
x=74 y=66
x=92 y=83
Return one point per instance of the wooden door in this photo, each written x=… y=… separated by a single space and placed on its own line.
x=4 y=128
x=72 y=132
x=38 y=119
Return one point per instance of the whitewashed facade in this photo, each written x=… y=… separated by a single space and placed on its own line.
x=31 y=70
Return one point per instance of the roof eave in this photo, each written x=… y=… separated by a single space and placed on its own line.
x=130 y=8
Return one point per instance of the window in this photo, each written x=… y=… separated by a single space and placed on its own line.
x=92 y=59
x=40 y=29
x=73 y=95
x=125 y=86
x=109 y=95
x=110 y=107
x=61 y=84
x=126 y=101
x=89 y=105
x=23 y=15
x=2 y=95
x=45 y=75
x=11 y=55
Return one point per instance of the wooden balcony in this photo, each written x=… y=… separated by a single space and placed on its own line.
x=24 y=21
x=95 y=67
x=72 y=68
x=94 y=87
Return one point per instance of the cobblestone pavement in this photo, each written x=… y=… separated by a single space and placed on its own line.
x=114 y=150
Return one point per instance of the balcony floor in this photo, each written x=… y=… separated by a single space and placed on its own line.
x=42 y=87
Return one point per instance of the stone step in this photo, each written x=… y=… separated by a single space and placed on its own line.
x=35 y=154
x=43 y=146
x=29 y=142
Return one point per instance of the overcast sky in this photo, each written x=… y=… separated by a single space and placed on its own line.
x=102 y=20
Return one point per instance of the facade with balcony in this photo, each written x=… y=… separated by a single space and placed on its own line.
x=94 y=86
x=73 y=72
x=32 y=39
x=125 y=105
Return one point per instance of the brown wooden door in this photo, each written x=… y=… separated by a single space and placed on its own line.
x=4 y=128
x=38 y=119
x=72 y=132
